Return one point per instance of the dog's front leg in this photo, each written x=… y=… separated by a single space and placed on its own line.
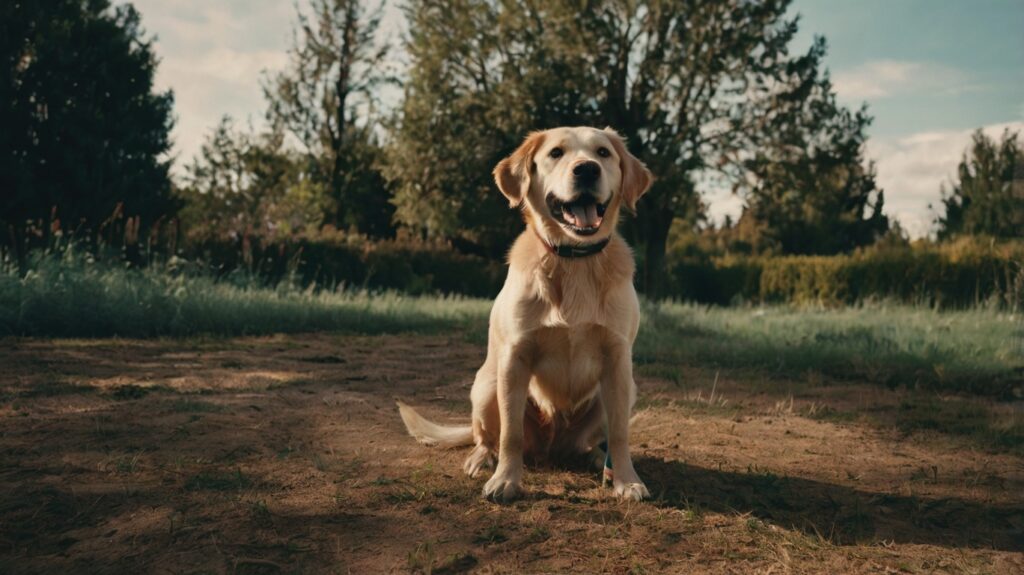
x=513 y=384
x=618 y=391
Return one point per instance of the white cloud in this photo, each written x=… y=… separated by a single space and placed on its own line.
x=886 y=78
x=222 y=81
x=213 y=57
x=912 y=170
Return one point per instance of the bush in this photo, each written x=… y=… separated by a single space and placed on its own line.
x=409 y=266
x=961 y=274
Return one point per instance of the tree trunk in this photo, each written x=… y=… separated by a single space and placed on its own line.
x=648 y=233
x=653 y=274
x=342 y=87
x=338 y=191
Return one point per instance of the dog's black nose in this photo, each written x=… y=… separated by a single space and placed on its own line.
x=586 y=172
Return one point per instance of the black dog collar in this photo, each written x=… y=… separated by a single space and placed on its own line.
x=576 y=251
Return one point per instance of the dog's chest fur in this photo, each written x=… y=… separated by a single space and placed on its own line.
x=575 y=319
x=567 y=368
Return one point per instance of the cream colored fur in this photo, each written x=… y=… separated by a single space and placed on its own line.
x=558 y=370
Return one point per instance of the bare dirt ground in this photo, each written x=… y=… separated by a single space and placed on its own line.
x=286 y=455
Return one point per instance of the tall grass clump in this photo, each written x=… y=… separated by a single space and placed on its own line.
x=68 y=294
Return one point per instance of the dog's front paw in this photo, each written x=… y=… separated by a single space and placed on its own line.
x=504 y=486
x=632 y=491
x=629 y=487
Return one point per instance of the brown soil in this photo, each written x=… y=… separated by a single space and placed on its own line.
x=286 y=454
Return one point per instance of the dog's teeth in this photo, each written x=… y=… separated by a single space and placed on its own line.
x=568 y=215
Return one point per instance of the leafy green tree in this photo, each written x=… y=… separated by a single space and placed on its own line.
x=988 y=198
x=690 y=84
x=83 y=129
x=810 y=190
x=326 y=101
x=247 y=184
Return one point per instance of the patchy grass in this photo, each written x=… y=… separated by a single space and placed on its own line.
x=995 y=429
x=193 y=406
x=130 y=391
x=50 y=388
x=752 y=474
x=218 y=481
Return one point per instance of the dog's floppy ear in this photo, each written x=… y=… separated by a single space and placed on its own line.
x=513 y=173
x=636 y=178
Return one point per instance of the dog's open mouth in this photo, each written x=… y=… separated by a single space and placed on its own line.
x=582 y=215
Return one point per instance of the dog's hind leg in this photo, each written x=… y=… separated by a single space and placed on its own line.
x=584 y=433
x=480 y=459
x=590 y=430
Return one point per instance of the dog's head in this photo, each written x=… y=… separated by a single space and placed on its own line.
x=572 y=182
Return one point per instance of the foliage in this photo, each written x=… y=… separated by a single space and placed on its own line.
x=812 y=189
x=413 y=267
x=83 y=130
x=243 y=184
x=963 y=274
x=331 y=83
x=688 y=83
x=988 y=198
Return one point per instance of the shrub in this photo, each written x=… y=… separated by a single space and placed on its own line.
x=409 y=266
x=961 y=274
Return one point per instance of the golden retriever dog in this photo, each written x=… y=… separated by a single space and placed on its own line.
x=558 y=378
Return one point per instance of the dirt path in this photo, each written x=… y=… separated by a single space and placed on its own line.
x=285 y=454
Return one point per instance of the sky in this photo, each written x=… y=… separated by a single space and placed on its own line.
x=930 y=71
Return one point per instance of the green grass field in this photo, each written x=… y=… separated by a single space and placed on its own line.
x=979 y=351
x=72 y=297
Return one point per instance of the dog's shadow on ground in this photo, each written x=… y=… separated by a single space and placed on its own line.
x=839 y=514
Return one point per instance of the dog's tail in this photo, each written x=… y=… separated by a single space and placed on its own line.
x=430 y=433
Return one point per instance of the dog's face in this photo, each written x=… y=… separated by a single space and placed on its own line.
x=571 y=182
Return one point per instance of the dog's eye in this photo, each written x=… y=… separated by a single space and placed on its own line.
x=603 y=152
x=555 y=153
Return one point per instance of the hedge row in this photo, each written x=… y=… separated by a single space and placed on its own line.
x=952 y=275
x=411 y=267
x=958 y=275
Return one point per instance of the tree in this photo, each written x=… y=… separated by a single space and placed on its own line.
x=83 y=129
x=989 y=196
x=335 y=69
x=809 y=188
x=690 y=84
x=247 y=184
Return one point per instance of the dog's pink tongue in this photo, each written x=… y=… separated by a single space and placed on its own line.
x=586 y=216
